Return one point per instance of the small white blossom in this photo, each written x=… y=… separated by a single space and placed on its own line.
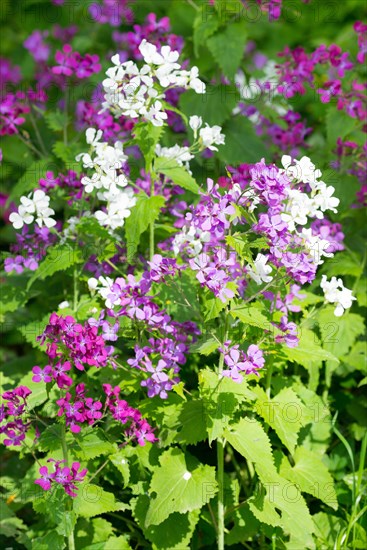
x=260 y=271
x=64 y=305
x=33 y=207
x=336 y=293
x=211 y=136
x=302 y=170
x=316 y=246
x=195 y=123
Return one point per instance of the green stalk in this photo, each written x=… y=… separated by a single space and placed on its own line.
x=151 y=227
x=71 y=542
x=220 y=465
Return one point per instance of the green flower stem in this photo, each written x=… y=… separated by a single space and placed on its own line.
x=220 y=466
x=220 y=454
x=71 y=542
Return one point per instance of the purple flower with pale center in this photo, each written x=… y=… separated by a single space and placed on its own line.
x=42 y=375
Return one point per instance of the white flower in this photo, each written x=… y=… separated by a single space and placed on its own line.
x=18 y=219
x=260 y=272
x=195 y=83
x=336 y=293
x=211 y=136
x=64 y=305
x=302 y=170
x=195 y=123
x=316 y=246
x=92 y=283
x=93 y=136
x=155 y=115
x=180 y=154
x=324 y=199
x=33 y=206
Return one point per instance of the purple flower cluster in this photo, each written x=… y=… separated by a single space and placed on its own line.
x=361 y=30
x=12 y=109
x=29 y=249
x=12 y=411
x=138 y=428
x=71 y=63
x=239 y=362
x=329 y=231
x=70 y=181
x=8 y=73
x=83 y=344
x=62 y=475
x=79 y=409
x=112 y=12
x=88 y=115
x=37 y=47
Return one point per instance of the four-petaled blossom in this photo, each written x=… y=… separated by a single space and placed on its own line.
x=336 y=293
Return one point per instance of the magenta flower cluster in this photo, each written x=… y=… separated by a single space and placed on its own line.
x=71 y=63
x=13 y=413
x=61 y=475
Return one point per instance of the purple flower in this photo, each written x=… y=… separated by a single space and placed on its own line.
x=42 y=375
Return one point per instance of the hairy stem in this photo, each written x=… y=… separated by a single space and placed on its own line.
x=71 y=542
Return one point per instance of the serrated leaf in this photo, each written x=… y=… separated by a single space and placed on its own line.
x=178 y=174
x=228 y=47
x=205 y=25
x=191 y=426
x=12 y=298
x=147 y=136
x=58 y=258
x=92 y=500
x=212 y=307
x=93 y=444
x=51 y=540
x=250 y=440
x=285 y=413
x=120 y=461
x=311 y=474
x=179 y=484
x=251 y=315
x=50 y=438
x=38 y=389
x=56 y=120
x=221 y=397
x=242 y=144
x=205 y=347
x=338 y=334
x=308 y=351
x=144 y=212
x=174 y=533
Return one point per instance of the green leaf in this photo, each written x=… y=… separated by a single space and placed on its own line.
x=338 y=124
x=67 y=154
x=145 y=211
x=29 y=179
x=242 y=144
x=51 y=540
x=58 y=258
x=251 y=315
x=228 y=48
x=12 y=298
x=93 y=444
x=174 y=533
x=32 y=330
x=180 y=484
x=50 y=438
x=221 y=398
x=205 y=25
x=38 y=389
x=147 y=136
x=205 y=347
x=250 y=440
x=311 y=474
x=92 y=500
x=56 y=120
x=120 y=461
x=191 y=427
x=178 y=174
x=308 y=351
x=212 y=307
x=285 y=413
x=338 y=334
x=214 y=107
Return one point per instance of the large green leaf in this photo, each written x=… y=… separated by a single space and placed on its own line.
x=242 y=144
x=92 y=500
x=338 y=124
x=311 y=474
x=308 y=351
x=93 y=444
x=220 y=397
x=144 y=213
x=179 y=484
x=228 y=47
x=285 y=413
x=338 y=334
x=205 y=25
x=178 y=174
x=58 y=258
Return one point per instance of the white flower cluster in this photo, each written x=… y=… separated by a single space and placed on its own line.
x=133 y=92
x=107 y=179
x=34 y=207
x=336 y=293
x=209 y=136
x=301 y=206
x=102 y=285
x=181 y=155
x=191 y=239
x=260 y=271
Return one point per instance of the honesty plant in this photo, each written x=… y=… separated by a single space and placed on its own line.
x=181 y=297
